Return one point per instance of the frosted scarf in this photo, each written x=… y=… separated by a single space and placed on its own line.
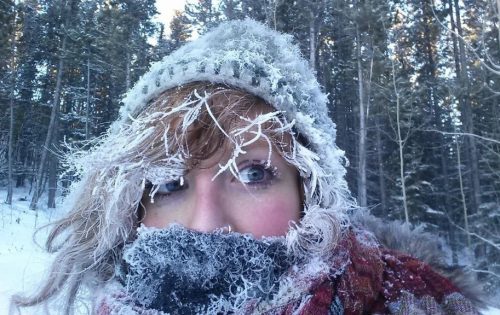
x=179 y=271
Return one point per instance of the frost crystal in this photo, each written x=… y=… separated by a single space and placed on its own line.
x=186 y=272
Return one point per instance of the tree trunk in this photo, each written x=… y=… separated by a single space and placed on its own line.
x=52 y=180
x=362 y=200
x=381 y=171
x=400 y=145
x=312 y=41
x=8 y=199
x=20 y=180
x=462 y=194
x=127 y=72
x=496 y=115
x=498 y=22
x=467 y=119
x=87 y=105
x=54 y=115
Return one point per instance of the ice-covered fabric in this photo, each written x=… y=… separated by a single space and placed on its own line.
x=186 y=272
x=384 y=281
x=361 y=278
x=248 y=55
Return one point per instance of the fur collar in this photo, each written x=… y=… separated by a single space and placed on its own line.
x=425 y=246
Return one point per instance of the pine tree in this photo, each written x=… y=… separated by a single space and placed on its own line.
x=67 y=10
x=8 y=71
x=180 y=31
x=203 y=15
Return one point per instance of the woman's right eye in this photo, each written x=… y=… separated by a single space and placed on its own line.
x=172 y=186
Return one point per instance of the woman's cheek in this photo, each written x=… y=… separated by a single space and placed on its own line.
x=270 y=217
x=164 y=211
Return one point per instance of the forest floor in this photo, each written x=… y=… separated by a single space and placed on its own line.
x=22 y=261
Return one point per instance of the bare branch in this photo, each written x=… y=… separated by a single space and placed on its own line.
x=465 y=134
x=485 y=240
x=487 y=272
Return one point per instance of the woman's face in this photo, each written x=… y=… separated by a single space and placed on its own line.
x=262 y=201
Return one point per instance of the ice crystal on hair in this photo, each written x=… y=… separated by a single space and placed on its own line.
x=255 y=128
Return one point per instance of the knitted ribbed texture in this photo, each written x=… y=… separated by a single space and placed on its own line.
x=453 y=304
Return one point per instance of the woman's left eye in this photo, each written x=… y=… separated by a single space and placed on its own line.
x=172 y=186
x=256 y=174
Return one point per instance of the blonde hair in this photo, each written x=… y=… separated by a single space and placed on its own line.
x=176 y=130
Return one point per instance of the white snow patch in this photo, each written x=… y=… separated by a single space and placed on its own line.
x=22 y=261
x=491 y=311
x=432 y=211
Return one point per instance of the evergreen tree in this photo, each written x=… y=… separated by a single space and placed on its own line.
x=180 y=31
x=62 y=12
x=203 y=15
x=8 y=70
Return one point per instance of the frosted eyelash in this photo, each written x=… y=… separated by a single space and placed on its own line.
x=153 y=188
x=267 y=165
x=275 y=174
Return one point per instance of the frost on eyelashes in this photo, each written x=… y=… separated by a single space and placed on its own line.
x=149 y=149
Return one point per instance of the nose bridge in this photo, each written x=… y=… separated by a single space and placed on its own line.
x=207 y=213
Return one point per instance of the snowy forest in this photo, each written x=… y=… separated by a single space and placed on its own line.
x=413 y=85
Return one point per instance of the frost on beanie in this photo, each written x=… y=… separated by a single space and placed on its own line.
x=250 y=56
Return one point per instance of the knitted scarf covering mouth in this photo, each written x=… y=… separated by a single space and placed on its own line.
x=360 y=278
x=180 y=271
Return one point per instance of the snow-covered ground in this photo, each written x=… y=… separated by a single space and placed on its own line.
x=492 y=311
x=22 y=262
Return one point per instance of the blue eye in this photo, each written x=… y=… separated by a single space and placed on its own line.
x=172 y=186
x=256 y=174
